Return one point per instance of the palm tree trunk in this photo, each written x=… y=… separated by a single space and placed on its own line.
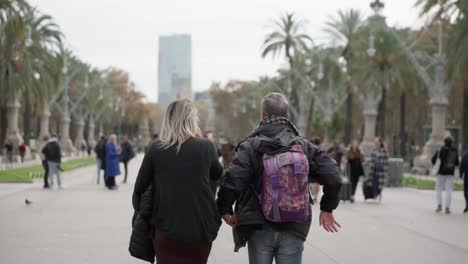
x=403 y=125
x=27 y=119
x=309 y=118
x=3 y=124
x=465 y=116
x=382 y=107
x=349 y=116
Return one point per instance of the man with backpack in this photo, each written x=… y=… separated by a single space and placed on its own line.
x=100 y=150
x=448 y=156
x=268 y=182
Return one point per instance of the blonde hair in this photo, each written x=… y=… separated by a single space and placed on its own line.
x=180 y=123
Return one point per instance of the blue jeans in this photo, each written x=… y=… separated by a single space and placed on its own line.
x=267 y=244
x=99 y=164
x=54 y=170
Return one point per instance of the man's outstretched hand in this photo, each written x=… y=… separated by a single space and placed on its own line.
x=327 y=220
x=230 y=219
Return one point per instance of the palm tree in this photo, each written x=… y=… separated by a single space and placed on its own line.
x=345 y=28
x=12 y=31
x=44 y=37
x=287 y=36
x=457 y=43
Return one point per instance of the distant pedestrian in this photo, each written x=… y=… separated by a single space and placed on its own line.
x=354 y=168
x=153 y=139
x=127 y=154
x=317 y=141
x=53 y=155
x=448 y=156
x=112 y=162
x=44 y=163
x=89 y=149
x=378 y=167
x=9 y=151
x=22 y=151
x=336 y=152
x=180 y=165
x=464 y=175
x=227 y=154
x=83 y=148
x=100 y=150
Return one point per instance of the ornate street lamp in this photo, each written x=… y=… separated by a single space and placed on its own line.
x=378 y=7
x=320 y=73
x=28 y=41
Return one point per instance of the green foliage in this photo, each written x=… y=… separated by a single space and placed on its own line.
x=24 y=174
x=425 y=184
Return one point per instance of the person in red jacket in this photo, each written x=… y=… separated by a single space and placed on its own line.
x=22 y=151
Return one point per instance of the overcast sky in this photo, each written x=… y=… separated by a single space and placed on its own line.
x=227 y=36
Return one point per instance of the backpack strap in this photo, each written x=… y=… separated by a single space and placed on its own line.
x=271 y=168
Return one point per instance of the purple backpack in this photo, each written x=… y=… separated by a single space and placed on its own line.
x=285 y=195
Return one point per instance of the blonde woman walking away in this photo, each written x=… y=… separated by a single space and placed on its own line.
x=180 y=166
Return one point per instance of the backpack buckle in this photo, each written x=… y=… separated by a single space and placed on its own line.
x=297 y=169
x=275 y=182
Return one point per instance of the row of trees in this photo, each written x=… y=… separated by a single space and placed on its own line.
x=334 y=88
x=45 y=81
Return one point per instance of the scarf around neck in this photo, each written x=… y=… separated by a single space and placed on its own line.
x=278 y=120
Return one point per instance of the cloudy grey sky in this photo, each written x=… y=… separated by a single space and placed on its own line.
x=226 y=35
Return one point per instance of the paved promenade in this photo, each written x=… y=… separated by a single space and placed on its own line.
x=85 y=223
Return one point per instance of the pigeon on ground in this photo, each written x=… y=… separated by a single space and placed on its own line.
x=27 y=202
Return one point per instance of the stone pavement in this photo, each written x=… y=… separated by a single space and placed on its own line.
x=85 y=223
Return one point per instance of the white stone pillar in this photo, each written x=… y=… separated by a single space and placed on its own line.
x=370 y=121
x=65 y=141
x=370 y=105
x=422 y=163
x=79 y=126
x=44 y=129
x=91 y=126
x=144 y=135
x=13 y=134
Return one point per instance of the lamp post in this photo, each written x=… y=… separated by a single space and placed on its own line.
x=377 y=20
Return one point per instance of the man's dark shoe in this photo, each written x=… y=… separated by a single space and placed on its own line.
x=466 y=210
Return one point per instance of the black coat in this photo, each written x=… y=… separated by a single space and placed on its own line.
x=127 y=152
x=52 y=152
x=184 y=206
x=141 y=242
x=464 y=166
x=443 y=154
x=243 y=180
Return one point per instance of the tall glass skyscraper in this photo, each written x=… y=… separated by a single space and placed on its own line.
x=175 y=68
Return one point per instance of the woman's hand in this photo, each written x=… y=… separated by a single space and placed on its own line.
x=230 y=219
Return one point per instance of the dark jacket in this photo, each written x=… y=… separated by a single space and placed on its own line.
x=100 y=149
x=444 y=154
x=127 y=152
x=184 y=209
x=52 y=152
x=141 y=242
x=243 y=180
x=112 y=161
x=464 y=166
